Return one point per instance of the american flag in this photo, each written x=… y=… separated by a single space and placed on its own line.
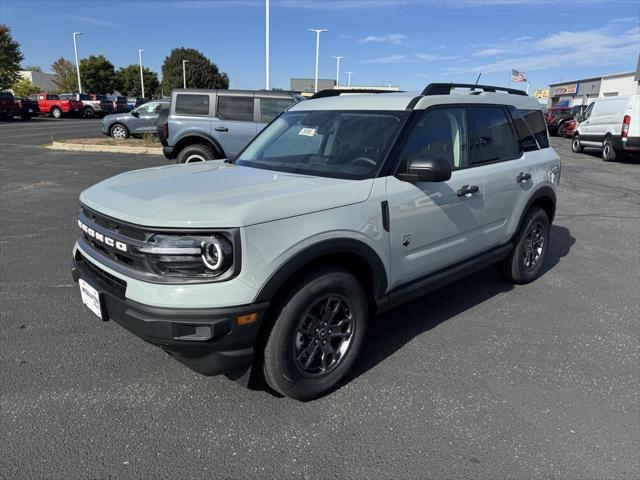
x=517 y=76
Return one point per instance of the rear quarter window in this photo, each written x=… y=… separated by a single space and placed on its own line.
x=187 y=104
x=531 y=128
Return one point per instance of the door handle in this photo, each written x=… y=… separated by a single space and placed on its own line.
x=468 y=190
x=523 y=177
x=222 y=129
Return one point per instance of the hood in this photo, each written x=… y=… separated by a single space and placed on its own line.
x=217 y=195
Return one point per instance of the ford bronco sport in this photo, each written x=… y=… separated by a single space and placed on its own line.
x=342 y=207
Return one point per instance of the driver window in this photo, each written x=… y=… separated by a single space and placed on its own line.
x=439 y=133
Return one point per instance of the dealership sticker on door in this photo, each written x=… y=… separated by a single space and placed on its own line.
x=90 y=297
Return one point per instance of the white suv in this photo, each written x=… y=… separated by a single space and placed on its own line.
x=342 y=207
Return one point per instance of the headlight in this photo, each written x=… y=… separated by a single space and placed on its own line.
x=195 y=256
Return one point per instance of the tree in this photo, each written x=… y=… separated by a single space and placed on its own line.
x=25 y=87
x=200 y=71
x=98 y=75
x=66 y=79
x=129 y=81
x=10 y=58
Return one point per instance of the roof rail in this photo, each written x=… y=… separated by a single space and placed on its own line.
x=445 y=88
x=336 y=92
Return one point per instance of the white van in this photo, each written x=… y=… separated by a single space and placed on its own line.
x=611 y=124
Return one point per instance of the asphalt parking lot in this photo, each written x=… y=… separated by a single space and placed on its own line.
x=477 y=380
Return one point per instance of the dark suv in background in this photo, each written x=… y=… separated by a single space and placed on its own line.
x=213 y=124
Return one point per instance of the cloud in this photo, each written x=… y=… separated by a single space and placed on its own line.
x=392 y=38
x=581 y=48
x=98 y=22
x=408 y=58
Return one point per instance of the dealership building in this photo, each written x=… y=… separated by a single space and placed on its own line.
x=584 y=91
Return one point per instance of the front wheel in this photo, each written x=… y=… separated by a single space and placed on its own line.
x=608 y=152
x=576 y=146
x=88 y=112
x=317 y=335
x=119 y=132
x=530 y=249
x=56 y=113
x=195 y=153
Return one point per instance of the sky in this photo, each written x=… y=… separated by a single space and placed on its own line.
x=408 y=43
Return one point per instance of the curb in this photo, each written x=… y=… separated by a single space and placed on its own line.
x=77 y=147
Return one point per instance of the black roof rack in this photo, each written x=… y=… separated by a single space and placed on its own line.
x=445 y=88
x=336 y=92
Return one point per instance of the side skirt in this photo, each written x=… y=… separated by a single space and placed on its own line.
x=417 y=288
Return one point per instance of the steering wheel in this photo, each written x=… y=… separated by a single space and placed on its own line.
x=368 y=161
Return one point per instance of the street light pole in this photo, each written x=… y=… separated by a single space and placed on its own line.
x=140 y=50
x=184 y=73
x=318 y=32
x=75 y=49
x=338 y=70
x=349 y=76
x=267 y=80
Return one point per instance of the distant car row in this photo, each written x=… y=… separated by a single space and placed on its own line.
x=86 y=105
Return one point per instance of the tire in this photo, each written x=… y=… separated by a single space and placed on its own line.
x=576 y=146
x=608 y=152
x=56 y=112
x=195 y=153
x=525 y=262
x=118 y=131
x=88 y=112
x=561 y=128
x=301 y=343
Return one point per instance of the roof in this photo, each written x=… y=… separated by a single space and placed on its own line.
x=262 y=93
x=402 y=100
x=590 y=79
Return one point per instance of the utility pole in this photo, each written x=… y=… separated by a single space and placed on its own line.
x=267 y=79
x=140 y=50
x=318 y=32
x=349 y=77
x=184 y=73
x=338 y=70
x=75 y=49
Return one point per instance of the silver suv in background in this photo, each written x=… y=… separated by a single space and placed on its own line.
x=215 y=124
x=92 y=105
x=138 y=121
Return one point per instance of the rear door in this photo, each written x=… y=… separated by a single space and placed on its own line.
x=148 y=116
x=234 y=125
x=191 y=114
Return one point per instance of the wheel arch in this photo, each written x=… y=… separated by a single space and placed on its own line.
x=545 y=198
x=192 y=138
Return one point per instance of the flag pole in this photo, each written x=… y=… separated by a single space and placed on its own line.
x=510 y=78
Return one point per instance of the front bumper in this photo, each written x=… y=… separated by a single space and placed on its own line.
x=207 y=340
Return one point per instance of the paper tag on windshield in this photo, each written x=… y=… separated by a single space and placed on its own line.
x=307 y=132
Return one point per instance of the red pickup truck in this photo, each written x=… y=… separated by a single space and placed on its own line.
x=51 y=104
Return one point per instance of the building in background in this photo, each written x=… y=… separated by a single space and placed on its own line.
x=42 y=79
x=542 y=94
x=584 y=91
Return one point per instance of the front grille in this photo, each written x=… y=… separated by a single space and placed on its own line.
x=115 y=285
x=115 y=226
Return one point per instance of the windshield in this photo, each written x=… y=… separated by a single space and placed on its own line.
x=339 y=144
x=84 y=96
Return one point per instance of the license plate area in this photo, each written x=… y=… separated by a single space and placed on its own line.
x=93 y=299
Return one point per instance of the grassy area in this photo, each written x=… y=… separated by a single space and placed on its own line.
x=145 y=141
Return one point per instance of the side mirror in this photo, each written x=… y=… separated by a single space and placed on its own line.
x=424 y=169
x=134 y=113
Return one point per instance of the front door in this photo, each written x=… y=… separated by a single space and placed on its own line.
x=435 y=224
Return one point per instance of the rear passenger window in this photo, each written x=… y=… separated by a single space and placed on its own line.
x=491 y=138
x=235 y=108
x=531 y=128
x=187 y=104
x=270 y=108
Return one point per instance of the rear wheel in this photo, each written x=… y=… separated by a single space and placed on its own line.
x=56 y=112
x=561 y=130
x=608 y=152
x=317 y=335
x=119 y=132
x=195 y=153
x=88 y=112
x=576 y=146
x=530 y=249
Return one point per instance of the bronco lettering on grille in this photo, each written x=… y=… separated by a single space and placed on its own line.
x=110 y=242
